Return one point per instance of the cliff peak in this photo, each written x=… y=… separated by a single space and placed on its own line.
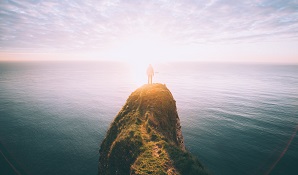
x=145 y=137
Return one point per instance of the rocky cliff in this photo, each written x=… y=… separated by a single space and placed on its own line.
x=145 y=137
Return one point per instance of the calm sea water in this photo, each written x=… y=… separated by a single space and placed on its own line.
x=237 y=119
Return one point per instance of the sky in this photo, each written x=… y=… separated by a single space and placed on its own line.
x=152 y=31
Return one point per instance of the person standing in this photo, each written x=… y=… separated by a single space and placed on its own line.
x=150 y=73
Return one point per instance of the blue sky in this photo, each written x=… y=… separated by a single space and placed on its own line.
x=203 y=30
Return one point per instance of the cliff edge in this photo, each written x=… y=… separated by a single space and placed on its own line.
x=145 y=137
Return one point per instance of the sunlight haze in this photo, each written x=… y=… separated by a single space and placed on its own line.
x=151 y=31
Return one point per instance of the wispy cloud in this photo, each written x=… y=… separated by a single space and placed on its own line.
x=91 y=24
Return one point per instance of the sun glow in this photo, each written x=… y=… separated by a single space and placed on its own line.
x=138 y=73
x=141 y=47
x=139 y=51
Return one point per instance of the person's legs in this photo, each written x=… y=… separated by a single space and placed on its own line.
x=150 y=79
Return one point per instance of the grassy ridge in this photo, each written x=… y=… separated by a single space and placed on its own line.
x=145 y=137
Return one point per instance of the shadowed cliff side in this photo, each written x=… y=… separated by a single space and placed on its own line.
x=145 y=137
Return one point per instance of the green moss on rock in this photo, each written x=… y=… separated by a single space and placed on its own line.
x=145 y=137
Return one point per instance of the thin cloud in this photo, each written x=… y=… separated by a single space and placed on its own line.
x=71 y=25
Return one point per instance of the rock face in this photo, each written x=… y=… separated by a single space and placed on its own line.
x=145 y=137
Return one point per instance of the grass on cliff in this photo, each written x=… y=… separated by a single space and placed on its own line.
x=142 y=138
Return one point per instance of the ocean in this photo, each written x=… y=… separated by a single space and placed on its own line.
x=236 y=118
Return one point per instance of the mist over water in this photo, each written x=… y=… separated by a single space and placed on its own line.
x=237 y=119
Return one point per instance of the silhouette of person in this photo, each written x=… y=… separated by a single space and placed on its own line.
x=150 y=73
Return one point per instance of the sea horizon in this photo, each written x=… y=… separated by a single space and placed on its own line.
x=68 y=67
x=236 y=119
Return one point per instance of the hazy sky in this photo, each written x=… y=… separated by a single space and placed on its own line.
x=160 y=30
